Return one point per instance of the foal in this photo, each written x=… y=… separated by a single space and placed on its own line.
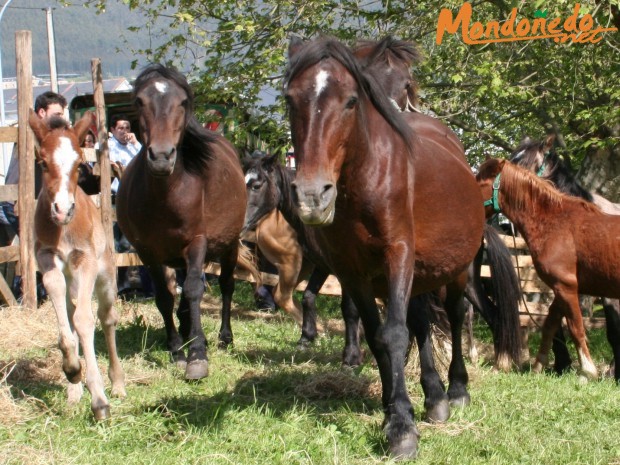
x=71 y=253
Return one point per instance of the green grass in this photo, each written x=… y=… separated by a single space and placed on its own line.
x=266 y=403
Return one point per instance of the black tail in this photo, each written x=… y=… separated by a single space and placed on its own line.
x=501 y=312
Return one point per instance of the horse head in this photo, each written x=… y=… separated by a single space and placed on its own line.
x=328 y=95
x=262 y=192
x=164 y=102
x=59 y=156
x=488 y=178
x=389 y=61
x=531 y=154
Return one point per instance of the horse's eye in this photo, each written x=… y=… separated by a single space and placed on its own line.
x=139 y=103
x=43 y=165
x=256 y=186
x=351 y=103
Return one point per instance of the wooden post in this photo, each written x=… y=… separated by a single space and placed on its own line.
x=103 y=156
x=25 y=145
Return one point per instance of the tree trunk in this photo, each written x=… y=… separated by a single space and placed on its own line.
x=600 y=170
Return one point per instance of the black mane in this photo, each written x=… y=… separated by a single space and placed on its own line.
x=556 y=170
x=324 y=48
x=196 y=143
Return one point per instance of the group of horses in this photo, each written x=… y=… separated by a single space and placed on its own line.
x=382 y=198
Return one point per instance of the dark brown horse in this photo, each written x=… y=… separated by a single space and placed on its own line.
x=573 y=245
x=181 y=202
x=397 y=216
x=72 y=256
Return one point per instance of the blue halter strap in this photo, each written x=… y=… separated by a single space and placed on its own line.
x=494 y=200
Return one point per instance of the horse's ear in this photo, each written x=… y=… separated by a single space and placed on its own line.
x=38 y=126
x=81 y=127
x=549 y=143
x=295 y=43
x=270 y=161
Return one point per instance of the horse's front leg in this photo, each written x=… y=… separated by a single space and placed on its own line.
x=612 y=318
x=400 y=428
x=189 y=311
x=164 y=299
x=84 y=323
x=308 y=303
x=55 y=284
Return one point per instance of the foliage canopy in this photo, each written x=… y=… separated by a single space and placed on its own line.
x=492 y=94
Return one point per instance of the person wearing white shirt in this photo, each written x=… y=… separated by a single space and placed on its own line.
x=122 y=146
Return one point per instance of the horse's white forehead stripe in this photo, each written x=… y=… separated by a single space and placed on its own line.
x=161 y=87
x=250 y=176
x=321 y=82
x=64 y=157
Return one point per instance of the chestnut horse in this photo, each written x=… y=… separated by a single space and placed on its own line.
x=573 y=245
x=397 y=217
x=540 y=157
x=72 y=256
x=181 y=203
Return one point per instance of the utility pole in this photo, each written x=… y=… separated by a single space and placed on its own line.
x=51 y=49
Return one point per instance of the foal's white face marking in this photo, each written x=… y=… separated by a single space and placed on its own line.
x=321 y=82
x=64 y=158
x=161 y=87
x=250 y=176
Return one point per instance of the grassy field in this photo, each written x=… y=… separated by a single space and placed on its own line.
x=266 y=403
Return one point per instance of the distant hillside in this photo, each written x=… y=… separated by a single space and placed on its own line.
x=80 y=34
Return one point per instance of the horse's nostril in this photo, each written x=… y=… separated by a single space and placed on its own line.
x=327 y=191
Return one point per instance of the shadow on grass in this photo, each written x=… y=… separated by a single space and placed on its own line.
x=318 y=393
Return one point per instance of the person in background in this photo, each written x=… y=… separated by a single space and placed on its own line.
x=89 y=140
x=122 y=146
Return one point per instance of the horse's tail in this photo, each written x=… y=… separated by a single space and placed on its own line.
x=246 y=260
x=502 y=311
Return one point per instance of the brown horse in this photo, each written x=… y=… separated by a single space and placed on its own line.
x=72 y=256
x=540 y=157
x=397 y=217
x=181 y=203
x=573 y=245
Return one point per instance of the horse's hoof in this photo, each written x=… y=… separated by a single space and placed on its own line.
x=181 y=364
x=197 y=369
x=118 y=392
x=460 y=401
x=101 y=413
x=303 y=344
x=537 y=368
x=223 y=345
x=406 y=447
x=352 y=359
x=438 y=413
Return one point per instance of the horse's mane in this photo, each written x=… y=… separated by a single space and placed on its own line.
x=528 y=190
x=390 y=50
x=326 y=47
x=556 y=170
x=196 y=140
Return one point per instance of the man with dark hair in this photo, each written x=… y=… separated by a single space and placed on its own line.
x=122 y=146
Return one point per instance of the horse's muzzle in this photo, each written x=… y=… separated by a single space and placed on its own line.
x=316 y=202
x=161 y=162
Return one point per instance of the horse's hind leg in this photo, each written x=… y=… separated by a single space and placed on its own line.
x=227 y=286
x=457 y=373
x=164 y=299
x=106 y=296
x=436 y=402
x=352 y=354
x=612 y=317
x=308 y=304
